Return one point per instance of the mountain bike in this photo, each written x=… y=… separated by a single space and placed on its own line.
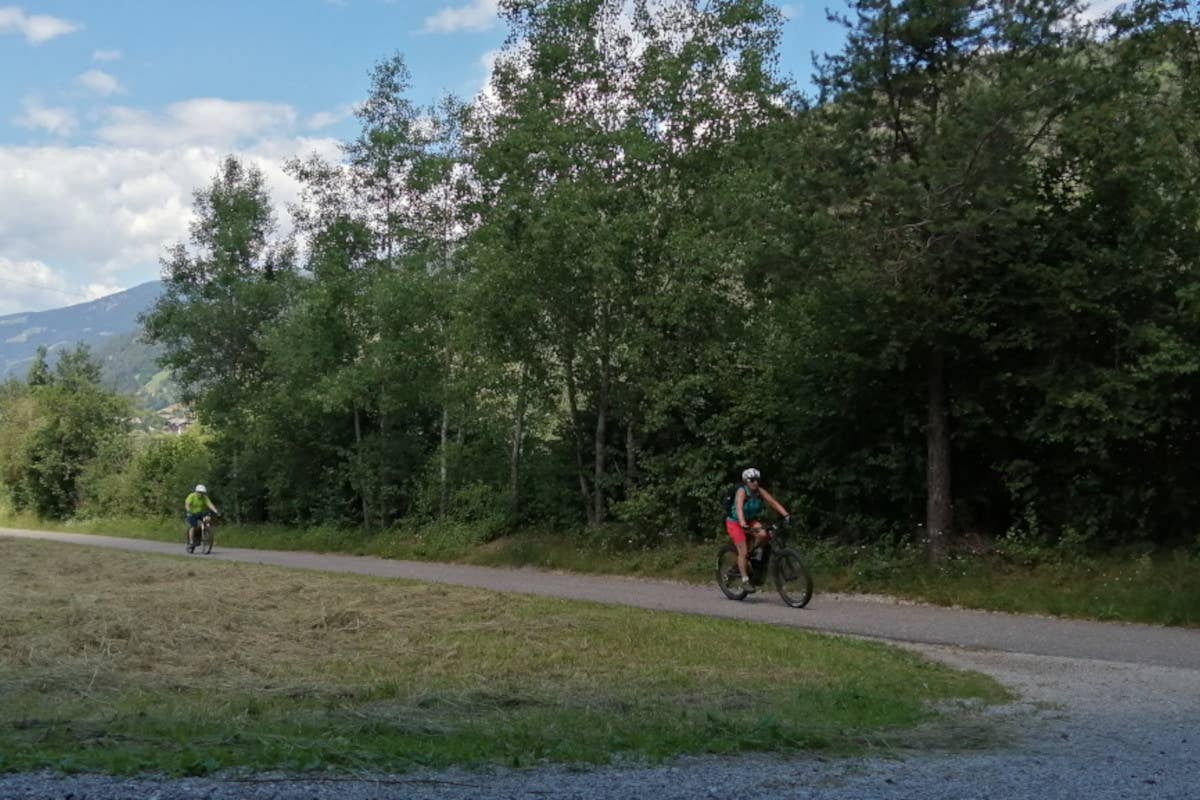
x=770 y=559
x=204 y=537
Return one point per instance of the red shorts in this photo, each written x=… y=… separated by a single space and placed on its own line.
x=737 y=532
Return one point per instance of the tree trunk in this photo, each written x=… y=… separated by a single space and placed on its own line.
x=362 y=473
x=237 y=492
x=387 y=225
x=939 y=510
x=600 y=449
x=573 y=404
x=514 y=461
x=443 y=469
x=383 y=474
x=630 y=460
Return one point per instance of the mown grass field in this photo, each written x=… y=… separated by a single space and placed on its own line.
x=1129 y=585
x=130 y=663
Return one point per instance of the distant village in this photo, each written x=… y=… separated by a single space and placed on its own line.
x=174 y=419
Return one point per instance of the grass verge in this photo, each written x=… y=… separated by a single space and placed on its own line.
x=1124 y=585
x=1128 y=585
x=129 y=663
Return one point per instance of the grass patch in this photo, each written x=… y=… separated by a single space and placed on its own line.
x=1125 y=585
x=1130 y=585
x=127 y=663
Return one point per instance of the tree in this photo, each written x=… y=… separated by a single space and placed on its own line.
x=39 y=370
x=217 y=302
x=380 y=233
x=935 y=114
x=580 y=158
x=1102 y=319
x=51 y=432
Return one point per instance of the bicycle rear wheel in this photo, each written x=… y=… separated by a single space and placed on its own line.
x=728 y=576
x=206 y=539
x=792 y=579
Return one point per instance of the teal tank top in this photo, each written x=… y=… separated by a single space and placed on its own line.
x=752 y=506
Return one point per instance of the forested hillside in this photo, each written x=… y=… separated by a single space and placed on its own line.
x=955 y=292
x=98 y=324
x=129 y=366
x=109 y=328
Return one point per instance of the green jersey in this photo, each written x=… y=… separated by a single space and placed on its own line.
x=195 y=503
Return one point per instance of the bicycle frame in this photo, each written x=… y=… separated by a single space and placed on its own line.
x=769 y=558
x=203 y=535
x=776 y=540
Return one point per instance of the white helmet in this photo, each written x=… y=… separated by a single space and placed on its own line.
x=750 y=474
x=200 y=488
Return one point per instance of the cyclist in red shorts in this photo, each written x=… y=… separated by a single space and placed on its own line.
x=743 y=518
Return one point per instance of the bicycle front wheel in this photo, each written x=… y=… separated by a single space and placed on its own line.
x=792 y=579
x=728 y=576
x=206 y=539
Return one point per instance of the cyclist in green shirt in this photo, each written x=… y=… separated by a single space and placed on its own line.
x=197 y=506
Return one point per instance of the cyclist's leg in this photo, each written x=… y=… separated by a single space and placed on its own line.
x=743 y=559
x=757 y=535
x=738 y=534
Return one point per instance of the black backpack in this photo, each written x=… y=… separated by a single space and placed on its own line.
x=728 y=498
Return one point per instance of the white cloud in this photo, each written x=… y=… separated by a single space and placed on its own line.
x=324 y=119
x=479 y=15
x=488 y=62
x=1097 y=9
x=36 y=28
x=30 y=285
x=57 y=121
x=100 y=82
x=106 y=55
x=208 y=121
x=102 y=214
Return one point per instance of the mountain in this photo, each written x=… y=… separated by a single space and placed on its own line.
x=109 y=326
x=90 y=323
x=129 y=366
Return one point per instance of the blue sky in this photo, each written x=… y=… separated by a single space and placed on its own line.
x=112 y=112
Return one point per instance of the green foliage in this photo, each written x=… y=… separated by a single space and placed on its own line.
x=53 y=429
x=958 y=289
x=167 y=469
x=217 y=302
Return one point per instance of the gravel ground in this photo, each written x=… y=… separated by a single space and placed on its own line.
x=1080 y=729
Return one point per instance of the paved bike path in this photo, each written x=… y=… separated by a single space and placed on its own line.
x=907 y=622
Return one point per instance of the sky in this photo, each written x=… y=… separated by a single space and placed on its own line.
x=113 y=112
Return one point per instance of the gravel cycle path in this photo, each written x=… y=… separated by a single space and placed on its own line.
x=1104 y=710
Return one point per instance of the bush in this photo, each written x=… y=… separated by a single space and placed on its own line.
x=49 y=435
x=164 y=471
